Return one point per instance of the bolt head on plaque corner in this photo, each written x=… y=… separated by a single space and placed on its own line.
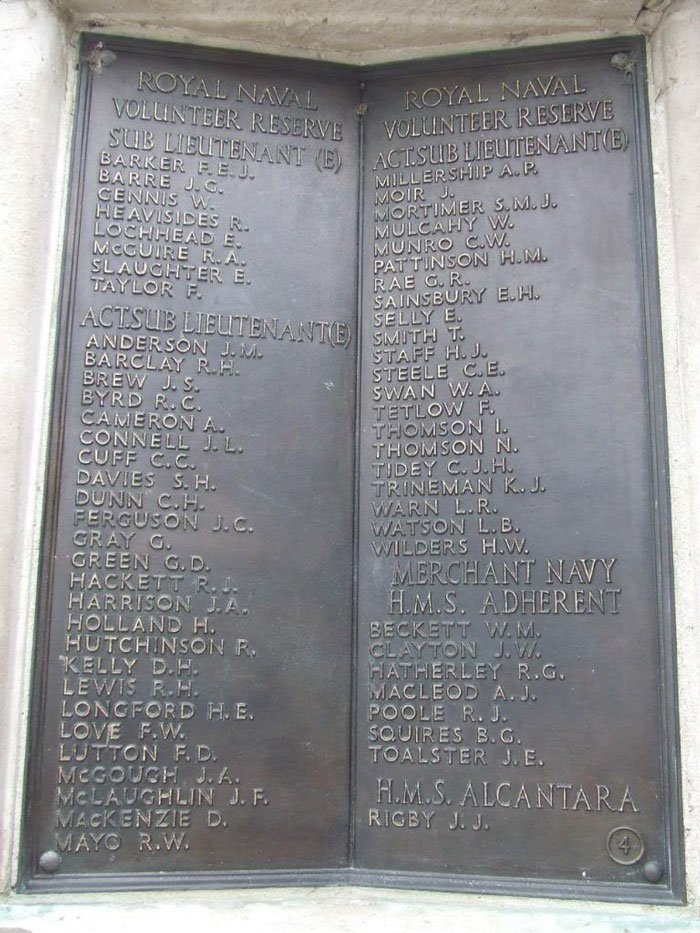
x=653 y=871
x=49 y=862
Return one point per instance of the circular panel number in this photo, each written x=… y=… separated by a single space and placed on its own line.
x=625 y=845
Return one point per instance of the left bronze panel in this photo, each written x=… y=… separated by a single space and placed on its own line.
x=192 y=683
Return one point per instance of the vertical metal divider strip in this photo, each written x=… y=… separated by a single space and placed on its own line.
x=360 y=111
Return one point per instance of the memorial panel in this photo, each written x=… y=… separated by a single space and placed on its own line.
x=356 y=550
x=510 y=675
x=199 y=582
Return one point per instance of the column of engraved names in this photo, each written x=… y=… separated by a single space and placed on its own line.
x=461 y=663
x=139 y=634
x=159 y=645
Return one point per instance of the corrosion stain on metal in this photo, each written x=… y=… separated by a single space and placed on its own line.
x=98 y=57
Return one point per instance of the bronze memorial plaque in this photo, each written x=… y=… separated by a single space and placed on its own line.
x=356 y=560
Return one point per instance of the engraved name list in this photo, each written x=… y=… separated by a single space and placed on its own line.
x=355 y=557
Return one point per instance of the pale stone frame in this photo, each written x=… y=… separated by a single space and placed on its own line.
x=37 y=39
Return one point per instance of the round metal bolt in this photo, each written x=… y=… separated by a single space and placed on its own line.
x=653 y=871
x=50 y=862
x=623 y=62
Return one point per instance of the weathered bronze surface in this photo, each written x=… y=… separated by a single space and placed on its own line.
x=508 y=648
x=199 y=653
x=471 y=690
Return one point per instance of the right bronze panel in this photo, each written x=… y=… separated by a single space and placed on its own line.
x=515 y=724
